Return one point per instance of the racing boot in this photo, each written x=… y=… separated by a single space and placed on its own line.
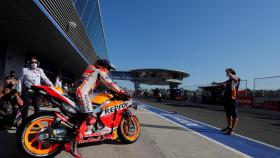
x=72 y=148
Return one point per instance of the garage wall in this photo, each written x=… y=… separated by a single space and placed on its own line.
x=14 y=59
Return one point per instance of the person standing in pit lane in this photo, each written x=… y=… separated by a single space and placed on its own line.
x=32 y=75
x=229 y=100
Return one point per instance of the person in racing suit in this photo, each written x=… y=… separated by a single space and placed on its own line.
x=92 y=77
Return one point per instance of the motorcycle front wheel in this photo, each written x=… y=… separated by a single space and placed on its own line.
x=28 y=136
x=129 y=129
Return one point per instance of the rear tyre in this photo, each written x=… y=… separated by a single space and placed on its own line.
x=27 y=136
x=129 y=129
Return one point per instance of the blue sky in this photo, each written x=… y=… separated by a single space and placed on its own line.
x=201 y=37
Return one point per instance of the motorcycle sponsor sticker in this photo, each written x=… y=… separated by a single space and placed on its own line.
x=112 y=109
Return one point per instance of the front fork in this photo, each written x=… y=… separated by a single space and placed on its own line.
x=130 y=128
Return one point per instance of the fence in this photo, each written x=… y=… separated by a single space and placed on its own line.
x=266 y=93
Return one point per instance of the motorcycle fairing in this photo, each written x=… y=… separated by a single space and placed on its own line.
x=100 y=98
x=56 y=94
x=110 y=119
x=111 y=113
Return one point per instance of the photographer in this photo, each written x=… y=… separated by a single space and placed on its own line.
x=229 y=100
x=10 y=107
x=12 y=81
x=9 y=92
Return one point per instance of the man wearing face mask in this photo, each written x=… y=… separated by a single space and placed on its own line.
x=32 y=75
x=229 y=101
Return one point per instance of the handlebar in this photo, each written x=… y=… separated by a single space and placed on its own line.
x=120 y=97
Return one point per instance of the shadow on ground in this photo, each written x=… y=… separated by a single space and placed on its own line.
x=268 y=117
x=276 y=124
x=8 y=148
x=111 y=142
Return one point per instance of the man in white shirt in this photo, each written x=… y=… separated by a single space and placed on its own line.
x=32 y=75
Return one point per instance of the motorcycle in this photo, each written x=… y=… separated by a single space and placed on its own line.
x=10 y=111
x=47 y=133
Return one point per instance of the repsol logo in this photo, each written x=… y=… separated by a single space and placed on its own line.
x=115 y=108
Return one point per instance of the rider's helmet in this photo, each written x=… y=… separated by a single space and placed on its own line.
x=231 y=70
x=104 y=63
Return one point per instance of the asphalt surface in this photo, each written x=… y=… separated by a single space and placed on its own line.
x=159 y=139
x=261 y=125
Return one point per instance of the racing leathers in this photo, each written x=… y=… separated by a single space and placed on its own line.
x=92 y=77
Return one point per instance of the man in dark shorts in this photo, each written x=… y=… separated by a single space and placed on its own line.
x=229 y=100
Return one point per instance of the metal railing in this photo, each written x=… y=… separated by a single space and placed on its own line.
x=262 y=78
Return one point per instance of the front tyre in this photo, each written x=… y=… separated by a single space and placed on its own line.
x=28 y=136
x=129 y=129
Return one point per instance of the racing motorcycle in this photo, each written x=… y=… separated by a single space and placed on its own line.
x=47 y=133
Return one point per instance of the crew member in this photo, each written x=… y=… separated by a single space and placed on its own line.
x=32 y=75
x=229 y=100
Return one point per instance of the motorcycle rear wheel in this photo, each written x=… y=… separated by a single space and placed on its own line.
x=27 y=136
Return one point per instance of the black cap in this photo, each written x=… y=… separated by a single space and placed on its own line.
x=231 y=70
x=105 y=63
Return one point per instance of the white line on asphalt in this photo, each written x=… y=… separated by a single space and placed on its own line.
x=234 y=134
x=219 y=129
x=214 y=141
